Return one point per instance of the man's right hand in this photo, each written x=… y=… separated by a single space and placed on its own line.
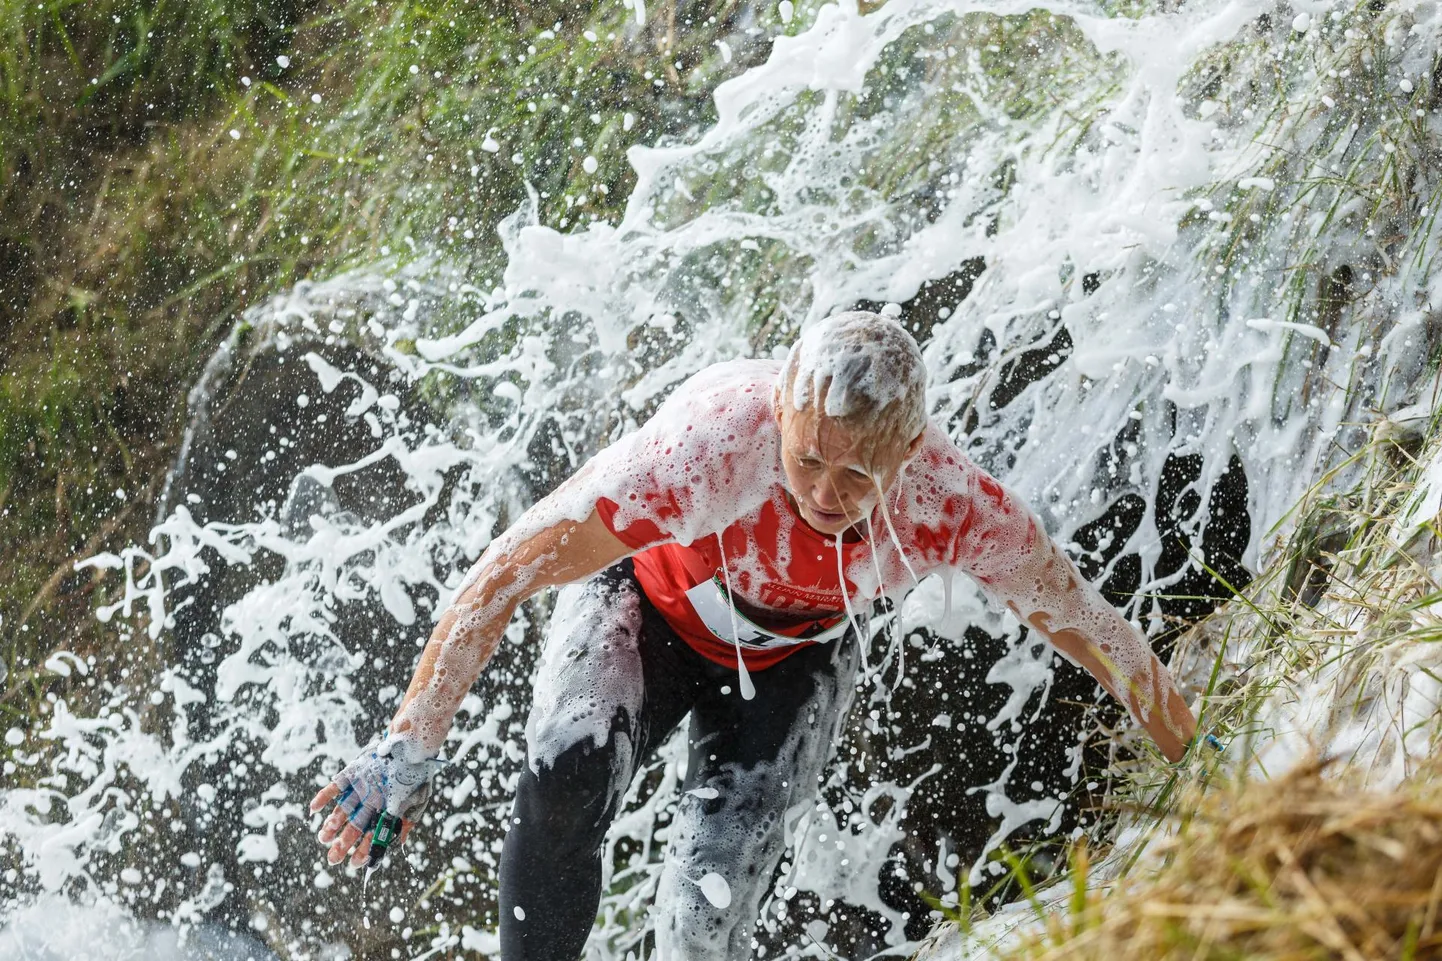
x=391 y=775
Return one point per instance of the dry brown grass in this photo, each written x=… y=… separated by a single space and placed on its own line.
x=1318 y=862
x=1306 y=866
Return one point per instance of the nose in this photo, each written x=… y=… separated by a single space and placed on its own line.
x=825 y=496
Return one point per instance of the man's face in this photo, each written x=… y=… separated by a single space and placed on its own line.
x=826 y=470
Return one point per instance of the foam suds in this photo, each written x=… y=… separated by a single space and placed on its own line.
x=586 y=616
x=857 y=361
x=815 y=199
x=705 y=906
x=748 y=690
x=717 y=891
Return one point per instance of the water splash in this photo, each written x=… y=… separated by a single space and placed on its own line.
x=1118 y=251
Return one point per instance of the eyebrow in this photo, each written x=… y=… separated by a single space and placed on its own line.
x=816 y=456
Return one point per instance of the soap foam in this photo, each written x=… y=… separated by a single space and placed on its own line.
x=858 y=364
x=1160 y=336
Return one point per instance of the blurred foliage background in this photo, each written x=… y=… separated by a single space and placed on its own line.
x=165 y=164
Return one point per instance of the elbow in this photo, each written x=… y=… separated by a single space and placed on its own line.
x=500 y=587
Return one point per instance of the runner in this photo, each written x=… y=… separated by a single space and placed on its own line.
x=722 y=559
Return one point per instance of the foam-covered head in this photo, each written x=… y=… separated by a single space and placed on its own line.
x=851 y=406
x=860 y=369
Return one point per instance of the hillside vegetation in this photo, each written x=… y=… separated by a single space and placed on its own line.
x=165 y=165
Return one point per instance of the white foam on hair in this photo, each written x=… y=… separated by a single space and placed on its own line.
x=860 y=361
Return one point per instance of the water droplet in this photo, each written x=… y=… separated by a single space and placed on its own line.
x=717 y=891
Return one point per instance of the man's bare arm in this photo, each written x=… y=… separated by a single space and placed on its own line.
x=1069 y=612
x=471 y=628
x=1150 y=696
x=511 y=570
x=1005 y=547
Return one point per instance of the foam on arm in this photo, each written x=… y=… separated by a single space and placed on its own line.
x=1005 y=548
x=526 y=559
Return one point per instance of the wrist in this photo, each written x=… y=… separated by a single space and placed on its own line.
x=411 y=739
x=404 y=747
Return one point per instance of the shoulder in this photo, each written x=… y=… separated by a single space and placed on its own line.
x=725 y=406
x=940 y=459
x=705 y=458
x=719 y=422
x=745 y=386
x=942 y=487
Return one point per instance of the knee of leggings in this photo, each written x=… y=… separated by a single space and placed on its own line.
x=703 y=936
x=575 y=794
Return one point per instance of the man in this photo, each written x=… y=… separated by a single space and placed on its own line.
x=729 y=549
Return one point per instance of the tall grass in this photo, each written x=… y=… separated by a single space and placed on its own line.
x=162 y=168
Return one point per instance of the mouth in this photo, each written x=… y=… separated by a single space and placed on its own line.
x=828 y=517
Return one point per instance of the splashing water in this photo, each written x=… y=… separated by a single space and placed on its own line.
x=716 y=890
x=1118 y=251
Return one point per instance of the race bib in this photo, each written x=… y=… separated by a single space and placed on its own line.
x=712 y=604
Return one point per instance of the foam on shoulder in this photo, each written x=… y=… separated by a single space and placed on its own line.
x=705 y=459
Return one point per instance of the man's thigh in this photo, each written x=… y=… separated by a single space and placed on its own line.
x=751 y=762
x=589 y=684
x=612 y=679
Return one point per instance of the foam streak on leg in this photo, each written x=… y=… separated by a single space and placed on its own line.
x=762 y=758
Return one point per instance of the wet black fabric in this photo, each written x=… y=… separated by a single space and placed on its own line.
x=551 y=860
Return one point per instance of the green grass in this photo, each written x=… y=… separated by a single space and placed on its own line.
x=1364 y=625
x=148 y=195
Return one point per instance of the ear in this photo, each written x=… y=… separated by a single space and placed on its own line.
x=914 y=447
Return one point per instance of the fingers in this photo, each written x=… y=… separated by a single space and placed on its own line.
x=341 y=834
x=342 y=844
x=344 y=837
x=332 y=826
x=362 y=851
x=326 y=795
